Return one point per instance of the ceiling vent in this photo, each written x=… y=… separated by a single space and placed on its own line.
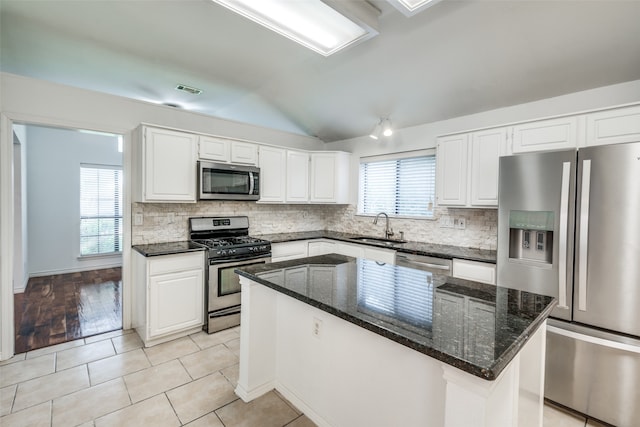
x=191 y=90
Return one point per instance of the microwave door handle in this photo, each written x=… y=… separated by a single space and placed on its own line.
x=584 y=235
x=251 y=182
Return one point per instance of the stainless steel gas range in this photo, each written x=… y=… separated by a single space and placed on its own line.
x=230 y=247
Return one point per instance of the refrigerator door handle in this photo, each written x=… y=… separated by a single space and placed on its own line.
x=584 y=235
x=564 y=220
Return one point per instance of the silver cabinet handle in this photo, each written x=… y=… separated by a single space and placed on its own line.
x=584 y=235
x=564 y=219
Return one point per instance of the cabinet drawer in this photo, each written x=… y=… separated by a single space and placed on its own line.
x=178 y=262
x=477 y=271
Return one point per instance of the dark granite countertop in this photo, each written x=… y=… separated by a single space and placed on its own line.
x=168 y=248
x=475 y=327
x=419 y=248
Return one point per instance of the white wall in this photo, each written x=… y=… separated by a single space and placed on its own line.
x=481 y=224
x=424 y=136
x=54 y=157
x=86 y=109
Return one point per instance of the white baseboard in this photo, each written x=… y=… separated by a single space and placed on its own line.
x=74 y=270
x=249 y=395
x=301 y=405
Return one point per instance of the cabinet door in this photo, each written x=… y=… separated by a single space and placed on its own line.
x=322 y=247
x=329 y=177
x=216 y=149
x=169 y=165
x=273 y=174
x=356 y=251
x=614 y=126
x=288 y=250
x=380 y=255
x=451 y=179
x=555 y=134
x=244 y=152
x=485 y=150
x=175 y=302
x=297 y=177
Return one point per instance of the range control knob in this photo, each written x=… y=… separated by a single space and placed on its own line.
x=223 y=252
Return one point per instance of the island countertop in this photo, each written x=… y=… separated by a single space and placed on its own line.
x=475 y=327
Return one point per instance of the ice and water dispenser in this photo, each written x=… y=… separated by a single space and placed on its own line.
x=531 y=236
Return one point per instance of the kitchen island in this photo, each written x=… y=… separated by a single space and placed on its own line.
x=355 y=342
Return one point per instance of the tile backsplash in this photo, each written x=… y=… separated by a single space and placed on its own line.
x=164 y=222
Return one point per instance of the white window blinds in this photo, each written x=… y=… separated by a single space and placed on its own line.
x=100 y=209
x=401 y=187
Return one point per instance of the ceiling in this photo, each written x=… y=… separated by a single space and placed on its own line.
x=452 y=59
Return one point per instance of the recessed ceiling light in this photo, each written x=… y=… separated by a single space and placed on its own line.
x=191 y=90
x=411 y=7
x=324 y=26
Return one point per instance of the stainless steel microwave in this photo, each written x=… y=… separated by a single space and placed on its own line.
x=221 y=181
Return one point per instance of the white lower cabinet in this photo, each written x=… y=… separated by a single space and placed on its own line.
x=169 y=296
x=303 y=248
x=288 y=250
x=322 y=247
x=473 y=270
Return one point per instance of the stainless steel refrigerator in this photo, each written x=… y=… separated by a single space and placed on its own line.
x=569 y=227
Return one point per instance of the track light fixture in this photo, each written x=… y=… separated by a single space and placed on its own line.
x=383 y=127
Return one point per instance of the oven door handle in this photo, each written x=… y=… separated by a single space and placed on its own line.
x=239 y=260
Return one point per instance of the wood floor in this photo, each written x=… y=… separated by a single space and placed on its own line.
x=66 y=307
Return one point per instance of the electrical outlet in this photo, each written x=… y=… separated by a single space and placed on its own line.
x=171 y=217
x=137 y=219
x=462 y=223
x=316 y=327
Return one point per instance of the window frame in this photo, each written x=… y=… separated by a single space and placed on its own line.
x=119 y=237
x=399 y=156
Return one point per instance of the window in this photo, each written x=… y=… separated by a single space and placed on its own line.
x=100 y=209
x=402 y=185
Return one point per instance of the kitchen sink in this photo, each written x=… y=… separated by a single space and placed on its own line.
x=378 y=240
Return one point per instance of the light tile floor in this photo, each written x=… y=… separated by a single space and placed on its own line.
x=111 y=380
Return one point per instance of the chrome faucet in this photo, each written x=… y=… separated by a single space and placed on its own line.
x=387 y=231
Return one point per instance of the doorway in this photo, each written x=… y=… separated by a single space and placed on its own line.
x=68 y=238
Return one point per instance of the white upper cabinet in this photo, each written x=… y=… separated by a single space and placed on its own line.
x=167 y=165
x=215 y=149
x=330 y=177
x=613 y=126
x=273 y=179
x=227 y=150
x=485 y=150
x=451 y=172
x=468 y=167
x=546 y=135
x=244 y=152
x=297 y=177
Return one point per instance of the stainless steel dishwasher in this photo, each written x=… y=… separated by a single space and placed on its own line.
x=423 y=262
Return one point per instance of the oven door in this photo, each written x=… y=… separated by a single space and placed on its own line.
x=224 y=285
